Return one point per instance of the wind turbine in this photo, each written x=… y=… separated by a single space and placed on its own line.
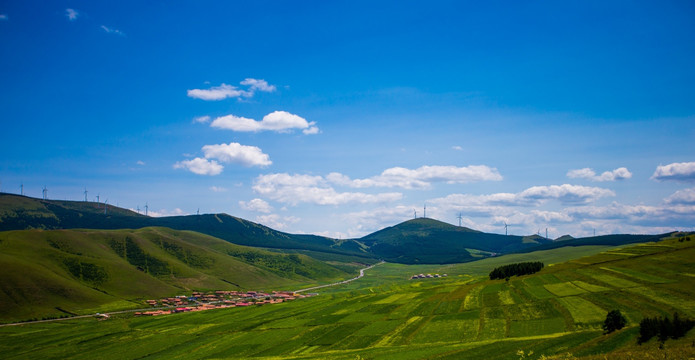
x=505 y=228
x=106 y=205
x=424 y=212
x=21 y=189
x=146 y=208
x=460 y=217
x=138 y=208
x=85 y=194
x=414 y=214
x=45 y=191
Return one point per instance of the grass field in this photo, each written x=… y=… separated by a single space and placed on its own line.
x=386 y=316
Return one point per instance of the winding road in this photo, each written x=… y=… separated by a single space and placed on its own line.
x=341 y=282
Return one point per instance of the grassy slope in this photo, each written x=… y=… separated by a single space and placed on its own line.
x=384 y=316
x=21 y=212
x=37 y=277
x=427 y=241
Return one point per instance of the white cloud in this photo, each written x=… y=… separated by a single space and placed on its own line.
x=280 y=121
x=112 y=30
x=258 y=205
x=533 y=196
x=589 y=174
x=202 y=119
x=217 y=189
x=217 y=93
x=72 y=14
x=164 y=212
x=277 y=222
x=200 y=166
x=258 y=84
x=565 y=193
x=676 y=171
x=140 y=162
x=225 y=91
x=686 y=196
x=295 y=189
x=457 y=148
x=236 y=153
x=421 y=177
x=3 y=17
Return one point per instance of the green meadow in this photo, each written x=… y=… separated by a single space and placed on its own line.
x=553 y=313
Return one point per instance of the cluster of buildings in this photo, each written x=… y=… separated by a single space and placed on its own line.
x=199 y=301
x=428 y=276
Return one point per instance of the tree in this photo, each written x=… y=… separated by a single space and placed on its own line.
x=614 y=321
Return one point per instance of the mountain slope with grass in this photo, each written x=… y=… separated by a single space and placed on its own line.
x=427 y=241
x=21 y=212
x=55 y=272
x=556 y=313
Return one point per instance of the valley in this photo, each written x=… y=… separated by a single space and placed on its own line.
x=358 y=311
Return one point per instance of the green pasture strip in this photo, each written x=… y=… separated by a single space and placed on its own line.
x=639 y=275
x=519 y=328
x=686 y=305
x=613 y=281
x=506 y=298
x=589 y=287
x=564 y=289
x=583 y=311
x=539 y=292
x=473 y=298
x=532 y=311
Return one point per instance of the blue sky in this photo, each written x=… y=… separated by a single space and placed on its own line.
x=341 y=118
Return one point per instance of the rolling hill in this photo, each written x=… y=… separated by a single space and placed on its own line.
x=21 y=212
x=53 y=272
x=417 y=241
x=556 y=313
x=428 y=241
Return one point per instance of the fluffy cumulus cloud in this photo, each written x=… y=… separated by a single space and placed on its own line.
x=226 y=153
x=295 y=189
x=258 y=84
x=225 y=91
x=565 y=193
x=257 y=205
x=200 y=166
x=589 y=174
x=676 y=171
x=279 y=121
x=71 y=14
x=686 y=196
x=236 y=153
x=419 y=178
x=3 y=17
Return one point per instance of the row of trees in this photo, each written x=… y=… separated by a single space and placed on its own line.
x=664 y=328
x=524 y=268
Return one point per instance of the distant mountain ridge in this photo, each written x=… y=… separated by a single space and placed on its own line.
x=425 y=241
x=416 y=241
x=21 y=212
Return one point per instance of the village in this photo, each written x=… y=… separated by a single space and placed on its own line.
x=220 y=299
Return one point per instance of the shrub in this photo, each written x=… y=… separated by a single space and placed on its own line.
x=524 y=268
x=614 y=321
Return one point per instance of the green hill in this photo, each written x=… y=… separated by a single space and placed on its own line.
x=50 y=273
x=417 y=241
x=21 y=212
x=556 y=313
x=429 y=241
